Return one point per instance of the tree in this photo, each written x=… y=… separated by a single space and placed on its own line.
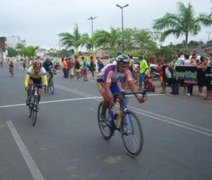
x=144 y=41
x=74 y=39
x=108 y=40
x=182 y=24
x=11 y=52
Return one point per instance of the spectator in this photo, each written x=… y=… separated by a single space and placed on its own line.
x=143 y=67
x=65 y=68
x=92 y=66
x=100 y=64
x=77 y=67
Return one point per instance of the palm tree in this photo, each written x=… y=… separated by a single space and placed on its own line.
x=108 y=40
x=73 y=40
x=182 y=24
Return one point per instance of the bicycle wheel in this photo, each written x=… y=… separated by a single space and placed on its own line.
x=30 y=109
x=51 y=86
x=132 y=135
x=104 y=125
x=35 y=112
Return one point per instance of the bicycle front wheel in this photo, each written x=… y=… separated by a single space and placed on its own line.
x=30 y=109
x=35 y=112
x=132 y=135
x=104 y=124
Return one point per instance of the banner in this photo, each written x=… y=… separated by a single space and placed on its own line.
x=191 y=74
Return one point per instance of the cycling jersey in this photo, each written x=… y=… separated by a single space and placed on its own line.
x=48 y=65
x=30 y=74
x=110 y=74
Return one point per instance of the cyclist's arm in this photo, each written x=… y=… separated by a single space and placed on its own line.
x=27 y=76
x=26 y=80
x=44 y=74
x=132 y=86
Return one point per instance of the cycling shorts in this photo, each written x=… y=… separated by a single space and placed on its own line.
x=115 y=88
x=38 y=82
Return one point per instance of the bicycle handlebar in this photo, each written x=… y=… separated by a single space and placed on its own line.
x=130 y=93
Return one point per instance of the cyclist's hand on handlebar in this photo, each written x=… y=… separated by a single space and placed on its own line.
x=140 y=99
x=112 y=103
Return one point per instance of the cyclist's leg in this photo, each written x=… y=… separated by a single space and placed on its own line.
x=38 y=82
x=105 y=103
x=29 y=91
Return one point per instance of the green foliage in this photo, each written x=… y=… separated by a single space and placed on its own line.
x=75 y=39
x=28 y=51
x=184 y=23
x=11 y=52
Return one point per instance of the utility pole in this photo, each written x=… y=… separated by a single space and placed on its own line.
x=91 y=19
x=122 y=23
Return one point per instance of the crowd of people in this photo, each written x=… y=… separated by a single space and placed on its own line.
x=78 y=67
x=201 y=62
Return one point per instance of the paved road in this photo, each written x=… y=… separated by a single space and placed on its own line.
x=66 y=143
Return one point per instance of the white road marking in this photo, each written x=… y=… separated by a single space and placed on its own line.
x=36 y=174
x=175 y=122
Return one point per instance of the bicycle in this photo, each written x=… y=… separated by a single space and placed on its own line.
x=33 y=104
x=50 y=86
x=129 y=125
x=11 y=70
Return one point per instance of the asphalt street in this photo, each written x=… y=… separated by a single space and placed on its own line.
x=66 y=143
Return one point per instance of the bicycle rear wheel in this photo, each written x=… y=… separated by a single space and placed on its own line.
x=51 y=86
x=132 y=135
x=35 y=112
x=104 y=125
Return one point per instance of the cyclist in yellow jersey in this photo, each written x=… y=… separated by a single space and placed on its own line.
x=34 y=76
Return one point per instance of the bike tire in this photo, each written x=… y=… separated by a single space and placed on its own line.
x=30 y=109
x=132 y=134
x=104 y=126
x=51 y=86
x=35 y=112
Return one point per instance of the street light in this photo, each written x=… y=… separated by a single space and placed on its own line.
x=91 y=19
x=122 y=23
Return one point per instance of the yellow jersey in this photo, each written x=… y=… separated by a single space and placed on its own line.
x=31 y=74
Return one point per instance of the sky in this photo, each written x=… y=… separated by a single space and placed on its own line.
x=40 y=21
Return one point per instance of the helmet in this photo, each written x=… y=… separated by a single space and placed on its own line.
x=123 y=59
x=37 y=64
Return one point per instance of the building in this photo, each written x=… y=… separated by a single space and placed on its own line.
x=12 y=41
x=2 y=43
x=2 y=48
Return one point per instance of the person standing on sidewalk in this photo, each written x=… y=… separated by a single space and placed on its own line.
x=92 y=66
x=143 y=67
x=84 y=68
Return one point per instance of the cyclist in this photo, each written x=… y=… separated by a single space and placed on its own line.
x=34 y=75
x=49 y=67
x=108 y=82
x=11 y=66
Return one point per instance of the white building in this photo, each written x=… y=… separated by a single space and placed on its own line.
x=12 y=41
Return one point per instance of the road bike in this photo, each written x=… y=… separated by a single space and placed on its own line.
x=50 y=87
x=11 y=70
x=33 y=103
x=125 y=121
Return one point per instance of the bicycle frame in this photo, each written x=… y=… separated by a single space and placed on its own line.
x=124 y=108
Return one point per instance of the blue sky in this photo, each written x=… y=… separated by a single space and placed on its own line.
x=39 y=21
